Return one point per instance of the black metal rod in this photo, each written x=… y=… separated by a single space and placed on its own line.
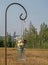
x=21 y=18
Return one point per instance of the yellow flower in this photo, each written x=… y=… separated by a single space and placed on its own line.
x=20 y=43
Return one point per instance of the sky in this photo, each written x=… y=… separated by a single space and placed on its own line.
x=37 y=13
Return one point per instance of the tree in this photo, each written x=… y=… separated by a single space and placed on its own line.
x=31 y=36
x=14 y=39
x=43 y=35
x=1 y=42
x=9 y=41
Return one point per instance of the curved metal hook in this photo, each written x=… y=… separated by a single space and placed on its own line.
x=21 y=13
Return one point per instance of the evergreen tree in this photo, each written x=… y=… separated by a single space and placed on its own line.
x=1 y=42
x=31 y=36
x=43 y=35
x=9 y=42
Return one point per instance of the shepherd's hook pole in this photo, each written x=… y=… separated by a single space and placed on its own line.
x=21 y=18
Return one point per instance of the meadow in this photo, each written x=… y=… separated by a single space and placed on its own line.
x=33 y=57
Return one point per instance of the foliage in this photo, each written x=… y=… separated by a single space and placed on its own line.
x=31 y=36
x=34 y=39
x=43 y=35
x=14 y=40
x=9 y=42
x=1 y=42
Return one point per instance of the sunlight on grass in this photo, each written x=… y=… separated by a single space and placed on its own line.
x=33 y=57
